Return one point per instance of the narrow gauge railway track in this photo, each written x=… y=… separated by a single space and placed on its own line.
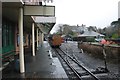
x=69 y=60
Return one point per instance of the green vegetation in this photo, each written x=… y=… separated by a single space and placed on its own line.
x=114 y=36
x=110 y=32
x=90 y=39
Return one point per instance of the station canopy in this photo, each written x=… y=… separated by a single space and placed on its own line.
x=42 y=16
x=45 y=23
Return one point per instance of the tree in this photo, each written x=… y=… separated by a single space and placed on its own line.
x=114 y=23
x=93 y=28
x=114 y=36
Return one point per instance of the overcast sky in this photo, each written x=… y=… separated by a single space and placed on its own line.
x=99 y=13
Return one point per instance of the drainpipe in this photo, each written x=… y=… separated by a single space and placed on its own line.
x=21 y=54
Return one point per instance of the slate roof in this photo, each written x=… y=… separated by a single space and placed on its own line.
x=90 y=34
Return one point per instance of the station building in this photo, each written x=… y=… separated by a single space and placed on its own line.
x=24 y=23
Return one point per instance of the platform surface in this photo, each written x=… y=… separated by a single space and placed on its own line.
x=43 y=65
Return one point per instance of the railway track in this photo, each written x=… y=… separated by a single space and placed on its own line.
x=74 y=67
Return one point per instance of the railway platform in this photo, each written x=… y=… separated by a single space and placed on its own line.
x=41 y=66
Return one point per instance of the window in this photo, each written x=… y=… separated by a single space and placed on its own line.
x=4 y=34
x=7 y=34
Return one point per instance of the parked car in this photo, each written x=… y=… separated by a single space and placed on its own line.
x=69 y=39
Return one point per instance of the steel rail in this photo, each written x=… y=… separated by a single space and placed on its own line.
x=76 y=61
x=74 y=70
x=68 y=63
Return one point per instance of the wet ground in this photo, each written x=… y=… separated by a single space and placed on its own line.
x=92 y=63
x=46 y=64
x=42 y=66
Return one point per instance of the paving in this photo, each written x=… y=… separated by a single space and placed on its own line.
x=43 y=65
